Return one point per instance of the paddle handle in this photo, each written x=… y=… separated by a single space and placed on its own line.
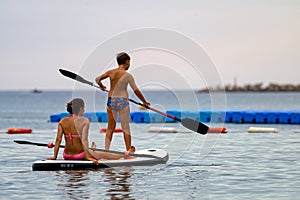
x=155 y=110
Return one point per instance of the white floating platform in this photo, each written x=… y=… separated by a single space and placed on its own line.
x=162 y=130
x=262 y=130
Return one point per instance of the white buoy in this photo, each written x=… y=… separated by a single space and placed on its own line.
x=262 y=130
x=162 y=130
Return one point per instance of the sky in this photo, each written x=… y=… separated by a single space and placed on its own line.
x=250 y=41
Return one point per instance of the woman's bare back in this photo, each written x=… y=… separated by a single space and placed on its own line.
x=73 y=126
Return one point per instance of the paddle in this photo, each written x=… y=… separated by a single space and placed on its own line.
x=186 y=122
x=51 y=145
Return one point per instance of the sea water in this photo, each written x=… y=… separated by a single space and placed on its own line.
x=236 y=165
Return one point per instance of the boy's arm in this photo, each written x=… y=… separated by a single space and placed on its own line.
x=98 y=80
x=137 y=92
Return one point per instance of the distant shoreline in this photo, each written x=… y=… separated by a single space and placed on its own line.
x=228 y=88
x=272 y=87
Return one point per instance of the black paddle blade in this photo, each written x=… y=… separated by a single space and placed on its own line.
x=194 y=126
x=20 y=141
x=27 y=142
x=74 y=76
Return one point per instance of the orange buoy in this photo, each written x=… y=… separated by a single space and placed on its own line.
x=217 y=130
x=19 y=130
x=117 y=130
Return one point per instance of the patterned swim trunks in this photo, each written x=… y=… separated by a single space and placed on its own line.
x=117 y=103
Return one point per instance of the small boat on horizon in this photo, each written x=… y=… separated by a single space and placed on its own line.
x=35 y=90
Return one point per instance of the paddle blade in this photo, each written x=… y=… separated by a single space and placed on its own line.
x=22 y=142
x=194 y=125
x=74 y=76
x=31 y=143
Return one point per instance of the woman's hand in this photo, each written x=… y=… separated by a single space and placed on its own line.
x=95 y=161
x=51 y=158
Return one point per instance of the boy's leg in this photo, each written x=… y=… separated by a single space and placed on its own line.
x=125 y=119
x=111 y=125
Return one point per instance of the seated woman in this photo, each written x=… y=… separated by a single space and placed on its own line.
x=75 y=129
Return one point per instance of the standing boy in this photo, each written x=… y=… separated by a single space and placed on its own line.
x=118 y=99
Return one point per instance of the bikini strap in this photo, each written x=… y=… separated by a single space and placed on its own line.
x=70 y=135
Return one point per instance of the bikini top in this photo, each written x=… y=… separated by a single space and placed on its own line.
x=70 y=136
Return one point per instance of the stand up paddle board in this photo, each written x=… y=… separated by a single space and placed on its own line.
x=142 y=158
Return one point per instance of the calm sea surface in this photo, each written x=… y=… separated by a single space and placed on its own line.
x=237 y=165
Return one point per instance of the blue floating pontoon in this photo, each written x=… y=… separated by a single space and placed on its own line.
x=231 y=116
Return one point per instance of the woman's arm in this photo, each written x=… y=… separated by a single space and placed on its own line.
x=85 y=142
x=85 y=133
x=57 y=142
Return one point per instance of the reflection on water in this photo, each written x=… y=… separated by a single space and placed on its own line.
x=195 y=181
x=76 y=184
x=119 y=185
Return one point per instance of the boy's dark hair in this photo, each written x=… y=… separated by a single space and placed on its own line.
x=122 y=58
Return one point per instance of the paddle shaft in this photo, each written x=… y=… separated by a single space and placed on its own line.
x=82 y=80
x=155 y=110
x=148 y=107
x=188 y=123
x=51 y=145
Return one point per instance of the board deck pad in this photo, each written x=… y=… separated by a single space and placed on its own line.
x=158 y=156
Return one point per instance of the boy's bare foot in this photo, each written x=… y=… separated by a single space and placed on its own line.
x=132 y=149
x=127 y=155
x=94 y=145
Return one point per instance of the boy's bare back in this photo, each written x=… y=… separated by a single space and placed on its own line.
x=119 y=80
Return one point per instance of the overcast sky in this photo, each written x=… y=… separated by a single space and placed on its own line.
x=250 y=40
